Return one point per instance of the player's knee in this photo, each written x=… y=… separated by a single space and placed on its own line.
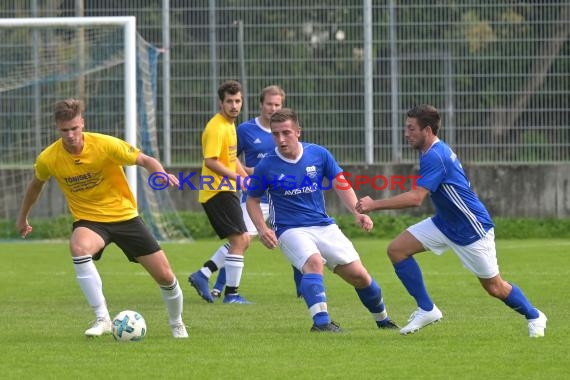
x=359 y=280
x=497 y=289
x=314 y=264
x=80 y=249
x=165 y=277
x=395 y=252
x=240 y=243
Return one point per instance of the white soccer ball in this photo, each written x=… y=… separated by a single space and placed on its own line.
x=129 y=325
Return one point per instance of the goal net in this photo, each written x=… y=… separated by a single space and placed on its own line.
x=41 y=64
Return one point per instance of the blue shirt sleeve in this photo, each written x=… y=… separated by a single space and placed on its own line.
x=432 y=171
x=330 y=168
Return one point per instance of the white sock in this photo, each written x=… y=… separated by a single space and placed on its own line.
x=91 y=285
x=174 y=300
x=234 y=268
x=219 y=256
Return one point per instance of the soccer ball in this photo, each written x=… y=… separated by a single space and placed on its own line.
x=129 y=325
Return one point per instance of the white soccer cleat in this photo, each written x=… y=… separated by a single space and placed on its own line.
x=100 y=326
x=179 y=330
x=536 y=326
x=421 y=318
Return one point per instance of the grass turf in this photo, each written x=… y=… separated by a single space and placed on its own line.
x=43 y=317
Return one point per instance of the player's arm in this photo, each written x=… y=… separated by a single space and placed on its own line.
x=220 y=169
x=247 y=169
x=152 y=165
x=33 y=191
x=241 y=169
x=266 y=234
x=412 y=198
x=348 y=198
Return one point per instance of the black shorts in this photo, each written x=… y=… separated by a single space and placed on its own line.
x=132 y=236
x=225 y=215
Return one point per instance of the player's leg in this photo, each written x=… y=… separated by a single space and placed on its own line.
x=367 y=290
x=341 y=257
x=234 y=267
x=157 y=265
x=314 y=294
x=221 y=278
x=417 y=238
x=297 y=277
x=225 y=216
x=138 y=244
x=84 y=244
x=302 y=252
x=480 y=258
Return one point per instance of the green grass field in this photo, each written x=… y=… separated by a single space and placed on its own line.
x=43 y=316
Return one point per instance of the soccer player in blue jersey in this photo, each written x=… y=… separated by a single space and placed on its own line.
x=254 y=142
x=292 y=175
x=461 y=223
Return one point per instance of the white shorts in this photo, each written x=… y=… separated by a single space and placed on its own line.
x=479 y=257
x=248 y=222
x=298 y=244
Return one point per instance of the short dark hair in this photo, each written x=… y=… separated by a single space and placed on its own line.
x=426 y=115
x=231 y=87
x=68 y=109
x=283 y=115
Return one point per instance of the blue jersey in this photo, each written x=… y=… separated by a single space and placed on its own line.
x=254 y=141
x=296 y=187
x=459 y=214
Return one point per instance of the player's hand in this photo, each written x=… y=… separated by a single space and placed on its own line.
x=365 y=222
x=244 y=184
x=364 y=205
x=268 y=238
x=23 y=228
x=173 y=180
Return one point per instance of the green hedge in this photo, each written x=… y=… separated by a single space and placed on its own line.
x=385 y=227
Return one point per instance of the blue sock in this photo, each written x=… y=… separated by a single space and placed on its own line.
x=313 y=291
x=517 y=301
x=221 y=279
x=371 y=298
x=297 y=276
x=410 y=274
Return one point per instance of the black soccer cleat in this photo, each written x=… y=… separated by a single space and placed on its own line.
x=331 y=327
x=387 y=324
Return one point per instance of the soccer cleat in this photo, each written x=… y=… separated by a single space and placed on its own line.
x=536 y=326
x=200 y=283
x=179 y=330
x=100 y=327
x=421 y=318
x=215 y=293
x=387 y=324
x=331 y=327
x=236 y=298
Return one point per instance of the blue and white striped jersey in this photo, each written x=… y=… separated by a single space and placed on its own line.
x=459 y=213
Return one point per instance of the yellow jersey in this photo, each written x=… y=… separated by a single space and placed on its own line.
x=219 y=140
x=93 y=182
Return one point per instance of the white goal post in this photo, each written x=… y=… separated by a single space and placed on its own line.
x=107 y=64
x=128 y=24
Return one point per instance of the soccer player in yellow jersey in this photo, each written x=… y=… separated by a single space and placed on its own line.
x=219 y=198
x=88 y=168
